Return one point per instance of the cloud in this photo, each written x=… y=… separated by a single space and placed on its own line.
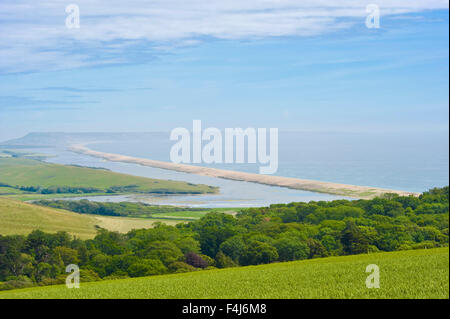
x=88 y=90
x=33 y=35
x=19 y=103
x=76 y=90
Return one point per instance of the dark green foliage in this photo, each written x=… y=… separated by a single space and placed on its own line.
x=353 y=240
x=223 y=261
x=258 y=252
x=146 y=267
x=255 y=236
x=180 y=267
x=213 y=229
x=291 y=248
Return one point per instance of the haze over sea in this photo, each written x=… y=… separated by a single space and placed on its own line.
x=411 y=162
x=404 y=161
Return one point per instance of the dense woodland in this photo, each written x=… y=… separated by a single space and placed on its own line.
x=255 y=236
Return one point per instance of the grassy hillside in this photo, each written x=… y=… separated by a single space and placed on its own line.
x=405 y=274
x=19 y=218
x=22 y=218
x=27 y=173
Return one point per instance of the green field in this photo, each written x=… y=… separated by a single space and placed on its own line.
x=404 y=274
x=9 y=191
x=22 y=218
x=193 y=215
x=26 y=173
x=19 y=218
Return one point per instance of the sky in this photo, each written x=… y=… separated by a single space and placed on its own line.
x=309 y=65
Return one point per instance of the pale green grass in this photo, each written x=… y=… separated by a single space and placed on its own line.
x=25 y=172
x=31 y=197
x=194 y=214
x=126 y=224
x=18 y=218
x=9 y=190
x=406 y=274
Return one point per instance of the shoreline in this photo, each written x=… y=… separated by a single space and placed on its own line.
x=354 y=191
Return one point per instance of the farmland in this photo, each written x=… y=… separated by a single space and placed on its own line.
x=19 y=218
x=131 y=209
x=36 y=178
x=403 y=274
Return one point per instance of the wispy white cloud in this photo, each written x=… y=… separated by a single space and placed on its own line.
x=33 y=35
x=21 y=103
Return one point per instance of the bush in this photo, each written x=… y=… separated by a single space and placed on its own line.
x=181 y=267
x=17 y=283
x=195 y=260
x=88 y=275
x=147 y=267
x=224 y=261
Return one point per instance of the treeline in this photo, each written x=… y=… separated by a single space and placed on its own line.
x=113 y=209
x=90 y=190
x=255 y=236
x=55 y=189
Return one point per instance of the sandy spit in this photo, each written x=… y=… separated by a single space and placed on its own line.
x=354 y=191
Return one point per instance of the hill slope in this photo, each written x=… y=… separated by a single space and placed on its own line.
x=27 y=173
x=405 y=274
x=18 y=218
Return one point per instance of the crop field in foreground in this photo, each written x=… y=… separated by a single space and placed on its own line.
x=404 y=274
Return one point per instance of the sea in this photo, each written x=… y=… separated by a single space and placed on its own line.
x=403 y=161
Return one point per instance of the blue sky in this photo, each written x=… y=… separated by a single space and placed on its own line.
x=288 y=64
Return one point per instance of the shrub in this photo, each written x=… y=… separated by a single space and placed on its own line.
x=147 y=267
x=195 y=260
x=181 y=267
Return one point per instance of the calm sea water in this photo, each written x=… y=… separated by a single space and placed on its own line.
x=412 y=162
x=232 y=193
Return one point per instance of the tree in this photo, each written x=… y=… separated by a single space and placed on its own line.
x=188 y=244
x=233 y=247
x=331 y=244
x=68 y=255
x=110 y=243
x=224 y=261
x=291 y=248
x=12 y=260
x=195 y=260
x=213 y=229
x=147 y=267
x=164 y=251
x=316 y=249
x=100 y=264
x=353 y=240
x=259 y=253
x=43 y=270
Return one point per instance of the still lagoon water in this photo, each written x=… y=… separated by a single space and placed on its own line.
x=411 y=162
